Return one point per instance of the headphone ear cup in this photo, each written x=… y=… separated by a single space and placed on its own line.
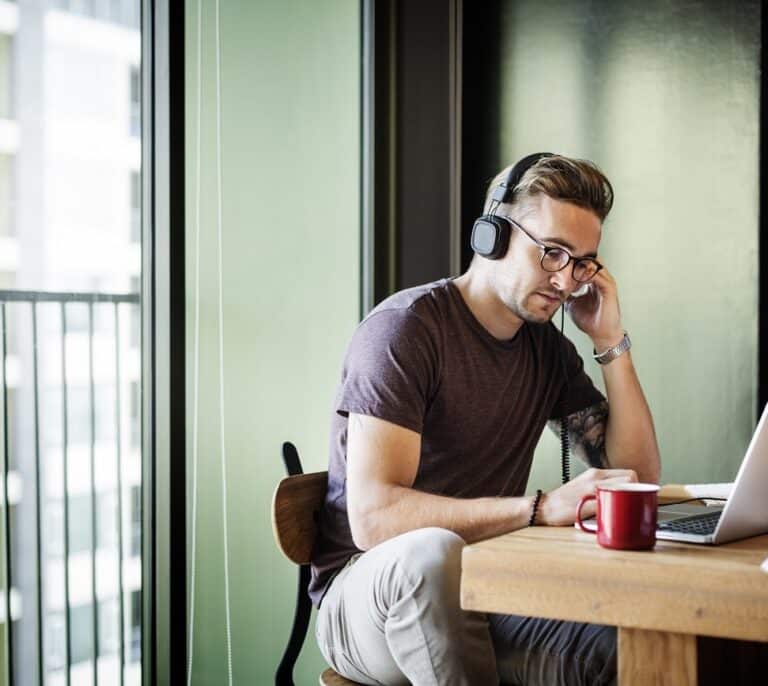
x=490 y=236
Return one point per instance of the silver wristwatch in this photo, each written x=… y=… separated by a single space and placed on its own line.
x=612 y=353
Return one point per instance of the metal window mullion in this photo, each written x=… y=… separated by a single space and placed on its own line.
x=368 y=168
x=455 y=46
x=6 y=510
x=65 y=447
x=38 y=501
x=95 y=600
x=120 y=592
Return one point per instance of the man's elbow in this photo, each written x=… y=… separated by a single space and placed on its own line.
x=363 y=526
x=654 y=475
x=650 y=471
x=647 y=476
x=368 y=522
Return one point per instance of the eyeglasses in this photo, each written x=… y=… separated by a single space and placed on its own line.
x=556 y=259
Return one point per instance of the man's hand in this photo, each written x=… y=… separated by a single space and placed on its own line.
x=597 y=312
x=558 y=508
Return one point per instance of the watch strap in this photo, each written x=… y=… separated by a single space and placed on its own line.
x=612 y=353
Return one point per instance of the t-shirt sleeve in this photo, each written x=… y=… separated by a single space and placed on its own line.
x=389 y=369
x=579 y=392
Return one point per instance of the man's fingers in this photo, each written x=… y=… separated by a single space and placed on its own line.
x=604 y=474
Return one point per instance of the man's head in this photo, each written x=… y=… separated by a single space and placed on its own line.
x=558 y=202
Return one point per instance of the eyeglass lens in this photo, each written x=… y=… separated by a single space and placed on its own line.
x=554 y=260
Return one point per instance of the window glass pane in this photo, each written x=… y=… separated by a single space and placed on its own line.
x=135 y=522
x=135 y=627
x=55 y=642
x=109 y=627
x=81 y=623
x=107 y=521
x=54 y=531
x=6 y=78
x=135 y=207
x=71 y=235
x=7 y=200
x=79 y=524
x=135 y=123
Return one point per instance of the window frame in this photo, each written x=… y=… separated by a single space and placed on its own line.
x=164 y=559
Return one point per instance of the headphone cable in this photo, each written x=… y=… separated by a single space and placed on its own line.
x=564 y=437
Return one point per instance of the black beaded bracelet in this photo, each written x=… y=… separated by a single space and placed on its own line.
x=536 y=500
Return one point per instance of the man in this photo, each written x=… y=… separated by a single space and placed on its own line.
x=444 y=393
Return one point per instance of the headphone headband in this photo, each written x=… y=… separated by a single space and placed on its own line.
x=504 y=191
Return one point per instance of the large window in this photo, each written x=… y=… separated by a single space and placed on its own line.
x=70 y=275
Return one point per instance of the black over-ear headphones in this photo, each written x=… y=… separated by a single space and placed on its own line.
x=490 y=233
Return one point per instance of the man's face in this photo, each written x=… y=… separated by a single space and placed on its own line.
x=520 y=282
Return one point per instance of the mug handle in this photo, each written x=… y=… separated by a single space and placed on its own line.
x=585 y=499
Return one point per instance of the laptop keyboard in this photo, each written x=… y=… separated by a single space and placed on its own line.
x=702 y=524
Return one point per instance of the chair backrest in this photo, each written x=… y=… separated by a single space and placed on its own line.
x=295 y=504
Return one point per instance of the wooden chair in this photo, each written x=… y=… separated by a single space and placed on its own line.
x=295 y=506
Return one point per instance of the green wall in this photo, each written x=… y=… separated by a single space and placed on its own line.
x=667 y=103
x=290 y=158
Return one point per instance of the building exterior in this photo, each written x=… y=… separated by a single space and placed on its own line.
x=70 y=208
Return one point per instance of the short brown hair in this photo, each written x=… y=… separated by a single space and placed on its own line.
x=563 y=178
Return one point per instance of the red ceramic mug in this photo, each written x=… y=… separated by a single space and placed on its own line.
x=626 y=515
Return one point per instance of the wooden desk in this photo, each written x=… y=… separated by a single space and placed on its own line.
x=659 y=599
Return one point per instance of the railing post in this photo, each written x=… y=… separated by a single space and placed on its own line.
x=38 y=502
x=6 y=508
x=65 y=498
x=94 y=541
x=118 y=440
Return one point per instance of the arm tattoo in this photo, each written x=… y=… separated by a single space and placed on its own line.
x=586 y=431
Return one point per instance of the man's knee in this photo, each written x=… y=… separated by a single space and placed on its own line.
x=431 y=551
x=427 y=562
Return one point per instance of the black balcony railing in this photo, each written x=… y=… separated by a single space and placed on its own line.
x=33 y=301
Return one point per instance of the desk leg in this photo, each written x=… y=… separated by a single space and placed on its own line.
x=651 y=658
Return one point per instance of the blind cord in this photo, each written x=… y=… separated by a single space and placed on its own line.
x=222 y=433
x=196 y=353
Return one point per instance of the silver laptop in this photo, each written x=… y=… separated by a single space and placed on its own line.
x=745 y=514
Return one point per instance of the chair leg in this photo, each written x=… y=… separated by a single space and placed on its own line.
x=284 y=674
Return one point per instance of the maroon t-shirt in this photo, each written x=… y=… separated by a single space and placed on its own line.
x=421 y=360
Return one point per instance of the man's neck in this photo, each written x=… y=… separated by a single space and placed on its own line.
x=492 y=313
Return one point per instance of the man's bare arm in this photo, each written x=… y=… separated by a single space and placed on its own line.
x=619 y=433
x=630 y=437
x=382 y=462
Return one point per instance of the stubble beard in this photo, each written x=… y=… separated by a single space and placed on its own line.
x=518 y=308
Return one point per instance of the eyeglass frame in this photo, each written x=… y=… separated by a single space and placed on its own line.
x=548 y=248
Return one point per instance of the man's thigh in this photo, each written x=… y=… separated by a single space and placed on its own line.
x=350 y=631
x=393 y=616
x=546 y=652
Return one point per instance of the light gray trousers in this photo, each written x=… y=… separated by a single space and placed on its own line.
x=392 y=617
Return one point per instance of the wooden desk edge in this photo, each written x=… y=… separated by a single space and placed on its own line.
x=519 y=574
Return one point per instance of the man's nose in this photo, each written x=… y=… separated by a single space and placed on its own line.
x=563 y=280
